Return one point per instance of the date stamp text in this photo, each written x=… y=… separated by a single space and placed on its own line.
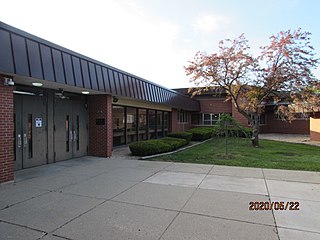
x=282 y=206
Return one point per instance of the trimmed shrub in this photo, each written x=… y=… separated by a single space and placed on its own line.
x=152 y=147
x=183 y=135
x=175 y=142
x=201 y=133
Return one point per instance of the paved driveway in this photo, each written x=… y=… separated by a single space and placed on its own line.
x=121 y=198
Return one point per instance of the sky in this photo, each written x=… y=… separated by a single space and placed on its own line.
x=155 y=39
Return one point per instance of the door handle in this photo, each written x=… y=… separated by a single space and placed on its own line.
x=70 y=136
x=19 y=141
x=74 y=136
x=25 y=139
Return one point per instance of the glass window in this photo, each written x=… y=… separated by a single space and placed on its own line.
x=215 y=118
x=30 y=147
x=261 y=119
x=152 y=124
x=166 y=123
x=183 y=117
x=159 y=124
x=131 y=124
x=78 y=132
x=142 y=124
x=196 y=119
x=206 y=119
x=118 y=122
x=135 y=124
x=210 y=118
x=67 y=128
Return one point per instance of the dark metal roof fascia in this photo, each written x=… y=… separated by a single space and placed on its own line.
x=53 y=67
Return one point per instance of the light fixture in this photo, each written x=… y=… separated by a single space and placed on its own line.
x=37 y=84
x=8 y=81
x=24 y=93
x=61 y=94
x=85 y=92
x=115 y=99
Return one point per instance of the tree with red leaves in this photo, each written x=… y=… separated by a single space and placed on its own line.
x=285 y=65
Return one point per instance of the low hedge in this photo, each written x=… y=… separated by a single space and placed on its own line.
x=149 y=147
x=201 y=133
x=175 y=142
x=152 y=147
x=184 y=135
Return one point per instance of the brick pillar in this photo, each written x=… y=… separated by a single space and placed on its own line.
x=6 y=132
x=109 y=126
x=100 y=125
x=174 y=121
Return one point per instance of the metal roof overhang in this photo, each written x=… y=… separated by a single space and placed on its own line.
x=29 y=58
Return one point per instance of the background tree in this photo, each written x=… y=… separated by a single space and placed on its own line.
x=285 y=65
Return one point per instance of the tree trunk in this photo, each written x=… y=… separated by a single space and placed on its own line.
x=255 y=131
x=226 y=138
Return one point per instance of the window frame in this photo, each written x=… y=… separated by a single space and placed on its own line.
x=183 y=116
x=261 y=116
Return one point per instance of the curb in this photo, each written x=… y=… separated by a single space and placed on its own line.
x=175 y=151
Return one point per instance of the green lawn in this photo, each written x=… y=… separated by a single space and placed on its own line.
x=270 y=154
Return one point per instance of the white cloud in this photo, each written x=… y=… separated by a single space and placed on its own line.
x=209 y=23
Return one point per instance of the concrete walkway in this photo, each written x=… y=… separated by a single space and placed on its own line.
x=293 y=138
x=116 y=198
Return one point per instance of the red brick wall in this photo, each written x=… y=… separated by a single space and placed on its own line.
x=6 y=132
x=239 y=117
x=218 y=105
x=174 y=120
x=175 y=125
x=100 y=136
x=183 y=127
x=277 y=126
x=314 y=136
x=215 y=105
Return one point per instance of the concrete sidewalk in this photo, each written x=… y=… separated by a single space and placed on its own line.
x=97 y=198
x=293 y=138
